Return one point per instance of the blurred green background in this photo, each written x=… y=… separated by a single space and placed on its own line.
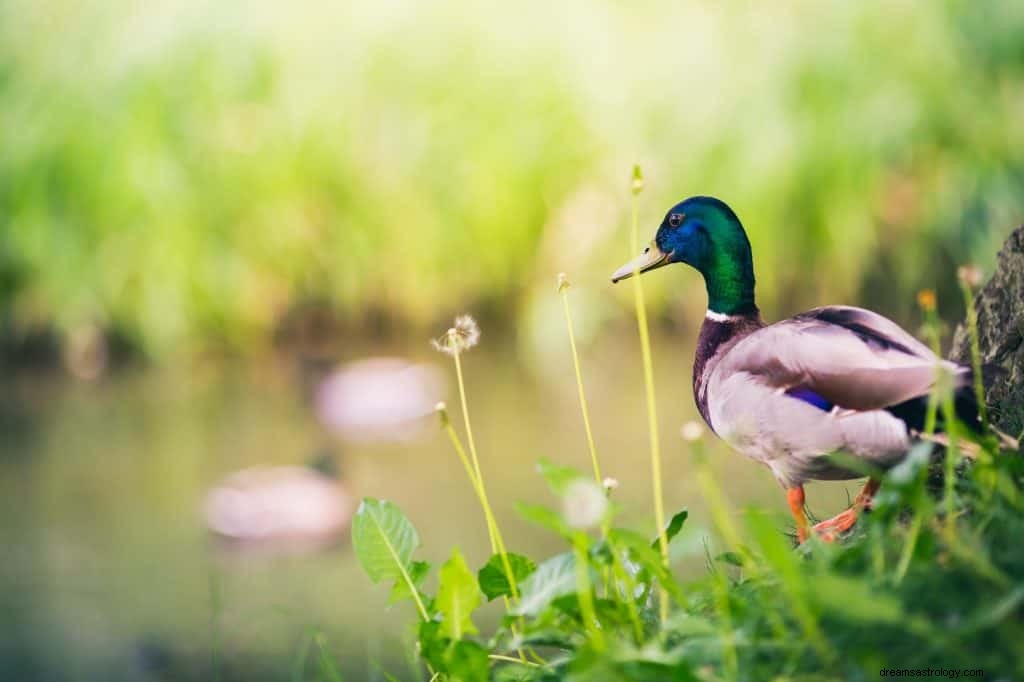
x=204 y=207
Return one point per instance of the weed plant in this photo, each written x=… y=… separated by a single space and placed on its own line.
x=927 y=581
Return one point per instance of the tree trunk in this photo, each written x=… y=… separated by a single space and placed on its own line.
x=1000 y=306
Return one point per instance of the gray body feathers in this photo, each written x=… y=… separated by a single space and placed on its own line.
x=792 y=393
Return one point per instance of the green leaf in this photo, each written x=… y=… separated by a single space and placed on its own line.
x=432 y=645
x=417 y=573
x=731 y=558
x=492 y=578
x=649 y=560
x=673 y=527
x=457 y=596
x=467 y=662
x=557 y=476
x=552 y=579
x=542 y=516
x=384 y=540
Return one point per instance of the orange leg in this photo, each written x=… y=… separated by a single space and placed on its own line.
x=795 y=497
x=840 y=523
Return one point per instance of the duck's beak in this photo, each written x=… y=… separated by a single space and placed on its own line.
x=651 y=258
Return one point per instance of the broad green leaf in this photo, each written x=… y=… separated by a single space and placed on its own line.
x=673 y=527
x=417 y=573
x=552 y=579
x=558 y=476
x=384 y=540
x=492 y=578
x=457 y=596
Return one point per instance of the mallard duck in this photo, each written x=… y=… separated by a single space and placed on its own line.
x=790 y=394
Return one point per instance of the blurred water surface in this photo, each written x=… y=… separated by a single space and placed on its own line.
x=108 y=572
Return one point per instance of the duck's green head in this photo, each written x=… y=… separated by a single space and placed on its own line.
x=703 y=232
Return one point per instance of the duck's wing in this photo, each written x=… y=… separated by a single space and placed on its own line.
x=843 y=356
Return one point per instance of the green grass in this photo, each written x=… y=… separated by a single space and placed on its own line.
x=769 y=611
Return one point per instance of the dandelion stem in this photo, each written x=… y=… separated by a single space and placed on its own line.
x=584 y=591
x=652 y=413
x=509 y=659
x=469 y=427
x=579 y=385
x=494 y=534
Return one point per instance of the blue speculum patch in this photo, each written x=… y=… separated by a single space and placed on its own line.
x=810 y=397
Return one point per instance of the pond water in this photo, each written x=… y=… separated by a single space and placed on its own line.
x=108 y=572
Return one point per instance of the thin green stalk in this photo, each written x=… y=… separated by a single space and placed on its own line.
x=584 y=591
x=908 y=548
x=563 y=288
x=652 y=410
x=497 y=542
x=469 y=428
x=949 y=477
x=926 y=301
x=972 y=333
x=721 y=590
x=720 y=514
x=509 y=659
x=494 y=535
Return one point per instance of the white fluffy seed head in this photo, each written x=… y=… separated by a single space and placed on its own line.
x=463 y=336
x=692 y=432
x=584 y=504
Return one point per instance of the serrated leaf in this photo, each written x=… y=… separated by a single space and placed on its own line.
x=552 y=579
x=672 y=529
x=457 y=596
x=492 y=579
x=558 y=476
x=417 y=573
x=384 y=540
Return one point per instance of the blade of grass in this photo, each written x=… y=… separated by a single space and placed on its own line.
x=652 y=408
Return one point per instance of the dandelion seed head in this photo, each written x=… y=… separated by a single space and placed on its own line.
x=463 y=336
x=970 y=275
x=692 y=432
x=563 y=281
x=442 y=411
x=584 y=504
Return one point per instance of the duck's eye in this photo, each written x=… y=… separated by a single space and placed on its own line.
x=675 y=220
x=647 y=249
